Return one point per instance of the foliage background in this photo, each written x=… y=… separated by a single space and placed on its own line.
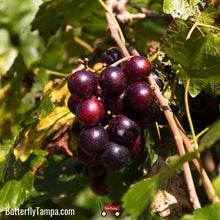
x=36 y=47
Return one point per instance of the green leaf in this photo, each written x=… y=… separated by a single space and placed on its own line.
x=196 y=85
x=13 y=193
x=67 y=12
x=199 y=56
x=209 y=212
x=211 y=137
x=137 y=200
x=179 y=9
x=12 y=83
x=116 y=186
x=4 y=157
x=216 y=185
x=60 y=179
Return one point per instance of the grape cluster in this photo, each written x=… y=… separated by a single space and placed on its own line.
x=112 y=109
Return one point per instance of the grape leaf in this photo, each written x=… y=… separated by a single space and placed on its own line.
x=46 y=120
x=212 y=136
x=216 y=185
x=13 y=192
x=197 y=85
x=53 y=14
x=5 y=149
x=12 y=83
x=209 y=212
x=199 y=56
x=60 y=178
x=179 y=9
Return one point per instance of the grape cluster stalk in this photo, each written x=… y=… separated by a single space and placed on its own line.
x=112 y=109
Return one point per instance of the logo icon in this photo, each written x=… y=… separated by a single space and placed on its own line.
x=109 y=207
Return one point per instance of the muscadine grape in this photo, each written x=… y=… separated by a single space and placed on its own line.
x=89 y=160
x=157 y=79
x=115 y=156
x=112 y=80
x=115 y=103
x=137 y=69
x=145 y=118
x=111 y=55
x=98 y=171
x=139 y=96
x=83 y=84
x=123 y=130
x=138 y=146
x=72 y=103
x=98 y=186
x=90 y=112
x=93 y=139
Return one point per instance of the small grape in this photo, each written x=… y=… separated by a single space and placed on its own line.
x=88 y=160
x=123 y=130
x=72 y=103
x=83 y=84
x=139 y=96
x=112 y=80
x=90 y=112
x=98 y=186
x=115 y=103
x=111 y=55
x=115 y=156
x=93 y=139
x=151 y=115
x=98 y=171
x=137 y=69
x=157 y=79
x=138 y=146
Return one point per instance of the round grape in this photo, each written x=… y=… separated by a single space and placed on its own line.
x=93 y=139
x=137 y=69
x=123 y=130
x=139 y=96
x=90 y=112
x=112 y=80
x=83 y=84
x=72 y=103
x=115 y=156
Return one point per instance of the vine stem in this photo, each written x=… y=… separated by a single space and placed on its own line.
x=188 y=114
x=210 y=191
x=115 y=21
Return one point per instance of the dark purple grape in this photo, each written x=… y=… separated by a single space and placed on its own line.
x=139 y=96
x=98 y=186
x=72 y=103
x=138 y=146
x=151 y=115
x=111 y=55
x=112 y=80
x=157 y=79
x=115 y=156
x=88 y=160
x=98 y=171
x=76 y=129
x=83 y=84
x=90 y=112
x=93 y=139
x=137 y=69
x=123 y=130
x=115 y=103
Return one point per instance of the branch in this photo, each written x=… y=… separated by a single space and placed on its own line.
x=205 y=179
